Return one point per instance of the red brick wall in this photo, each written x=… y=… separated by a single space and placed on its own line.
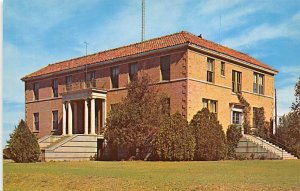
x=149 y=64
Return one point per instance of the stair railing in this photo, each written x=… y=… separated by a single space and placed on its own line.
x=281 y=143
x=267 y=143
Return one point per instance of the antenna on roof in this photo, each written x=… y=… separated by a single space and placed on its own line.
x=220 y=29
x=143 y=20
x=86 y=44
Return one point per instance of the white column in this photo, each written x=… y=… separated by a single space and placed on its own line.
x=70 y=118
x=86 y=117
x=104 y=112
x=93 y=116
x=64 y=120
x=75 y=117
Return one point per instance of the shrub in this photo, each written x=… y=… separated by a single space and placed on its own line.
x=233 y=136
x=23 y=144
x=6 y=153
x=209 y=136
x=240 y=157
x=175 y=140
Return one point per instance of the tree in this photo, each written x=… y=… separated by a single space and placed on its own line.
x=135 y=119
x=23 y=144
x=209 y=136
x=289 y=128
x=174 y=140
x=233 y=136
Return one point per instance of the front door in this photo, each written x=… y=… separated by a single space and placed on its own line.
x=237 y=119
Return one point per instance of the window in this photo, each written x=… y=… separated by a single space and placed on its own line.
x=91 y=76
x=166 y=106
x=68 y=80
x=210 y=69
x=165 y=67
x=55 y=87
x=114 y=106
x=258 y=83
x=236 y=81
x=222 y=68
x=133 y=69
x=211 y=105
x=114 y=76
x=36 y=121
x=55 y=120
x=255 y=113
x=236 y=117
x=36 y=90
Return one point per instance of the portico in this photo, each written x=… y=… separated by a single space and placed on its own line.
x=84 y=112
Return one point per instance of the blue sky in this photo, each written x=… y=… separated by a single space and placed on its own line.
x=38 y=32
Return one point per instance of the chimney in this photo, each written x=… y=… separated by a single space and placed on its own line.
x=200 y=36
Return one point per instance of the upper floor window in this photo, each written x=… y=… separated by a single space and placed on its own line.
x=55 y=87
x=68 y=80
x=114 y=76
x=258 y=83
x=36 y=121
x=211 y=105
x=55 y=120
x=222 y=68
x=236 y=81
x=210 y=69
x=165 y=67
x=133 y=69
x=91 y=76
x=36 y=90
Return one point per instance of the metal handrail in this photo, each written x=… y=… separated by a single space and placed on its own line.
x=282 y=143
x=270 y=144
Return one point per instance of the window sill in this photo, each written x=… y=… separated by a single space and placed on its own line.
x=36 y=131
x=54 y=130
x=222 y=76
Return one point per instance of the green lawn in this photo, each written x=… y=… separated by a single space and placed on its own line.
x=222 y=175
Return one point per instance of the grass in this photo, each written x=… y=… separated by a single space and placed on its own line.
x=139 y=175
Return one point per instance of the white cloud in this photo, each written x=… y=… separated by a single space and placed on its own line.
x=262 y=32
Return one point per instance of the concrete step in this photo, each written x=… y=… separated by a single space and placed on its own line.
x=75 y=147
x=270 y=147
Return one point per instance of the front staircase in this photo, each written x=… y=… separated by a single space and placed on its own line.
x=253 y=145
x=67 y=148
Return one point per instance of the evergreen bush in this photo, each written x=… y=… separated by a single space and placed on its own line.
x=23 y=145
x=174 y=141
x=233 y=136
x=209 y=136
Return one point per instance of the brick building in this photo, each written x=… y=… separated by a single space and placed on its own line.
x=192 y=71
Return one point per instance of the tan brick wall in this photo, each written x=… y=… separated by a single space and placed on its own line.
x=220 y=90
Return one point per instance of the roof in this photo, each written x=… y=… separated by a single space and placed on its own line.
x=182 y=37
